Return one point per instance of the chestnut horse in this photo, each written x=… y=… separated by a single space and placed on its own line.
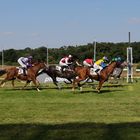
x=83 y=73
x=13 y=73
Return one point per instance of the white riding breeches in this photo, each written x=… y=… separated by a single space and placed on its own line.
x=21 y=63
x=97 y=67
x=62 y=64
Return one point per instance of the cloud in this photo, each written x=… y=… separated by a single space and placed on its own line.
x=6 y=33
x=134 y=20
x=35 y=34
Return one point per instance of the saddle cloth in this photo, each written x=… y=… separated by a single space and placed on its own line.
x=92 y=71
x=20 y=70
x=58 y=68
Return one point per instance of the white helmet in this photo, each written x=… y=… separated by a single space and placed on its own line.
x=70 y=55
x=105 y=58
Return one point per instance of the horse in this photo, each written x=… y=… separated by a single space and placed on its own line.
x=116 y=74
x=55 y=71
x=13 y=73
x=84 y=72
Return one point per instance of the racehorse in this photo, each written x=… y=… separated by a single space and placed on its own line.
x=13 y=73
x=55 y=71
x=83 y=73
x=118 y=71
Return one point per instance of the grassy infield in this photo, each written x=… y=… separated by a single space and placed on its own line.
x=52 y=114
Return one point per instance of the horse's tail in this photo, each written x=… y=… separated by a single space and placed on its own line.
x=2 y=72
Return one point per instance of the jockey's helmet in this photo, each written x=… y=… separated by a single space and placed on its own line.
x=116 y=59
x=113 y=59
x=119 y=59
x=105 y=58
x=70 y=56
x=30 y=57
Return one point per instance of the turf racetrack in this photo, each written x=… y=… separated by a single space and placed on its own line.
x=63 y=115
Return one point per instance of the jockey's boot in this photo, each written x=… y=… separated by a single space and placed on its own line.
x=97 y=71
x=24 y=71
x=62 y=68
x=91 y=66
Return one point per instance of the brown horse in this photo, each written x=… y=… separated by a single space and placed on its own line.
x=83 y=73
x=13 y=73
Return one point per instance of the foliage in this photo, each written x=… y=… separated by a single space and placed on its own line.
x=82 y=51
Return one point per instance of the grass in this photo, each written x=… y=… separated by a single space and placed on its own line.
x=60 y=114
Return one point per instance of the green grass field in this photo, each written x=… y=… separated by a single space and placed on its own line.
x=63 y=115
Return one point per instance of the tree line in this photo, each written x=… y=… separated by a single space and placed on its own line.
x=108 y=49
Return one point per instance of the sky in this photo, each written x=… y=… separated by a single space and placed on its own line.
x=57 y=23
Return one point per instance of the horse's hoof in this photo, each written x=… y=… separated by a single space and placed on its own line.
x=81 y=88
x=38 y=89
x=2 y=85
x=59 y=87
x=98 y=90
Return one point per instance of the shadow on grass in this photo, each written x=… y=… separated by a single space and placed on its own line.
x=103 y=91
x=76 y=131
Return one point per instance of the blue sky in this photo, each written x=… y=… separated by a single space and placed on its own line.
x=56 y=23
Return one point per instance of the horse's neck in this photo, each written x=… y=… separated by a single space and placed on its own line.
x=124 y=64
x=110 y=68
x=35 y=68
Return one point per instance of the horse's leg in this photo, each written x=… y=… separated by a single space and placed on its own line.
x=77 y=80
x=13 y=84
x=35 y=83
x=100 y=85
x=73 y=85
x=3 y=83
x=70 y=81
x=27 y=82
x=56 y=83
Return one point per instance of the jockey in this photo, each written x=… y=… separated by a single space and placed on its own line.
x=100 y=64
x=88 y=62
x=117 y=59
x=65 y=62
x=25 y=63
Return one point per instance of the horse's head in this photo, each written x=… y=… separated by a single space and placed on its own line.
x=124 y=64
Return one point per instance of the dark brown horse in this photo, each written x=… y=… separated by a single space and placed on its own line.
x=55 y=71
x=83 y=73
x=13 y=73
